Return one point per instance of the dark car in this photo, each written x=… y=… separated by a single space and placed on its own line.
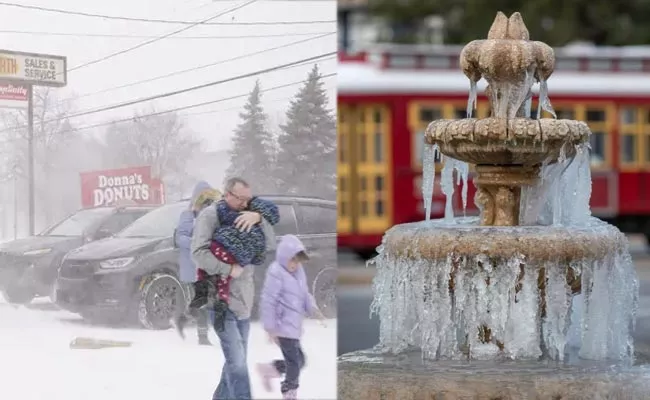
x=28 y=267
x=134 y=274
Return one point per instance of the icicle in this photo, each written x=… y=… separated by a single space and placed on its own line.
x=447 y=186
x=528 y=104
x=428 y=176
x=462 y=177
x=471 y=102
x=544 y=101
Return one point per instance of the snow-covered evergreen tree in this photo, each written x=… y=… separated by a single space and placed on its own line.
x=252 y=153
x=306 y=161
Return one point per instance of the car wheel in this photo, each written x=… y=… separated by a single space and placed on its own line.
x=160 y=299
x=324 y=291
x=17 y=294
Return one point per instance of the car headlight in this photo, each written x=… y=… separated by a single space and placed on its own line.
x=116 y=263
x=37 y=252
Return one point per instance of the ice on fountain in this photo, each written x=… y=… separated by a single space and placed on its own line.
x=447 y=183
x=428 y=176
x=417 y=309
x=561 y=197
x=544 y=100
x=471 y=101
x=555 y=326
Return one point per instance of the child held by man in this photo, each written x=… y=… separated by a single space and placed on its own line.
x=231 y=246
x=284 y=304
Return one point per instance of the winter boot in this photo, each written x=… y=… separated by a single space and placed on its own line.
x=267 y=372
x=203 y=340
x=290 y=395
x=179 y=324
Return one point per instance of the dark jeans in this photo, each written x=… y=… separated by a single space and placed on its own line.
x=294 y=361
x=235 y=383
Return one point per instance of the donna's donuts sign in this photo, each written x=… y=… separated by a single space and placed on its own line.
x=120 y=187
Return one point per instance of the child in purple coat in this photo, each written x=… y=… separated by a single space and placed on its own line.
x=284 y=304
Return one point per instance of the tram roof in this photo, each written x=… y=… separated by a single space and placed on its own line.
x=362 y=78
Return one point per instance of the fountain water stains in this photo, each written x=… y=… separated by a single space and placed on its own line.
x=505 y=290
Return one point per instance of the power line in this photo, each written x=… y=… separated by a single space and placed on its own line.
x=122 y=36
x=155 y=78
x=148 y=42
x=153 y=114
x=181 y=91
x=161 y=21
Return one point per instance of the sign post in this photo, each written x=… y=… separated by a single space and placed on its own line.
x=29 y=70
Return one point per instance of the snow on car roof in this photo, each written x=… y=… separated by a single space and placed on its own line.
x=364 y=78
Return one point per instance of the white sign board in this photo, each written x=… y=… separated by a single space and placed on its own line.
x=33 y=69
x=13 y=95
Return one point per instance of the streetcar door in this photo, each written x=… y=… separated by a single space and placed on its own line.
x=364 y=169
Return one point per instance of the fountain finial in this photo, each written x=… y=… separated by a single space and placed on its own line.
x=509 y=147
x=508 y=28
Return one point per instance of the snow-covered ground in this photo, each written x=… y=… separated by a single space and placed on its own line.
x=37 y=363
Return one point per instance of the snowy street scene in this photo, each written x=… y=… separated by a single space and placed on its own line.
x=38 y=362
x=168 y=200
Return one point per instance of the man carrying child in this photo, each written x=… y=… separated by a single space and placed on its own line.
x=233 y=335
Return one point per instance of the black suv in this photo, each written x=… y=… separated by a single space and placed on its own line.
x=134 y=274
x=28 y=267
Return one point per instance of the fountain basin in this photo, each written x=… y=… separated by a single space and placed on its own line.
x=436 y=239
x=456 y=290
x=500 y=141
x=371 y=375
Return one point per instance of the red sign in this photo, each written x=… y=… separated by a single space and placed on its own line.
x=9 y=91
x=120 y=187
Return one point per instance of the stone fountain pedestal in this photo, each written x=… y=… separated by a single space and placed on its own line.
x=370 y=375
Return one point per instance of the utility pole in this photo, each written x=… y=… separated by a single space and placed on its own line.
x=30 y=158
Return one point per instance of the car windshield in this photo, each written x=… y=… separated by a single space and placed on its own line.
x=160 y=222
x=78 y=223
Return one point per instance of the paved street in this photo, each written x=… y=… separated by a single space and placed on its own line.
x=357 y=331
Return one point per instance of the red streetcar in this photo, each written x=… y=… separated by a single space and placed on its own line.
x=386 y=98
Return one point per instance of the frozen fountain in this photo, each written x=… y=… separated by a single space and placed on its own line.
x=534 y=299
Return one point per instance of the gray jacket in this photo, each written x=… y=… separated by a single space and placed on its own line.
x=242 y=289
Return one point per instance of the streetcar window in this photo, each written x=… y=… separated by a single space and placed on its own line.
x=343 y=209
x=379 y=151
x=379 y=207
x=379 y=183
x=628 y=148
x=597 y=142
x=362 y=184
x=565 y=114
x=430 y=114
x=647 y=117
x=364 y=208
x=342 y=148
x=362 y=147
x=647 y=147
x=595 y=115
x=377 y=116
x=342 y=184
x=628 y=116
x=460 y=113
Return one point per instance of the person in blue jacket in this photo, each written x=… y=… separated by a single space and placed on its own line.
x=202 y=196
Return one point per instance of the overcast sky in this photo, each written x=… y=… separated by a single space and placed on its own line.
x=215 y=122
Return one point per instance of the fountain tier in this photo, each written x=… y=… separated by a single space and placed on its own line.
x=467 y=291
